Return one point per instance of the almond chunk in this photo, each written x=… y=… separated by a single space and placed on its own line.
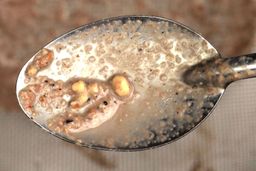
x=82 y=98
x=79 y=86
x=93 y=88
x=31 y=71
x=121 y=85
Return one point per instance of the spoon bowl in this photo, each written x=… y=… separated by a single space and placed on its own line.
x=169 y=79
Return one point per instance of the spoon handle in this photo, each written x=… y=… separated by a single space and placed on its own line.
x=220 y=72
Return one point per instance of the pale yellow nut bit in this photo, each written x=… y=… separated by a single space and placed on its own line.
x=93 y=88
x=121 y=85
x=80 y=101
x=32 y=71
x=79 y=86
x=82 y=98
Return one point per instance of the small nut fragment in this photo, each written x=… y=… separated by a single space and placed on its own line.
x=121 y=85
x=44 y=58
x=27 y=99
x=93 y=88
x=79 y=86
x=75 y=104
x=31 y=71
x=88 y=48
x=82 y=98
x=82 y=94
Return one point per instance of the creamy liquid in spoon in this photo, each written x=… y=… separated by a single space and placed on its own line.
x=150 y=55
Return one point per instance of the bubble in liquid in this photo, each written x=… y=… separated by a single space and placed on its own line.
x=92 y=59
x=163 y=64
x=163 y=77
x=151 y=76
x=178 y=59
x=104 y=69
x=101 y=61
x=171 y=65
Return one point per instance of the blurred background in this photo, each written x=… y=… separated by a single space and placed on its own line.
x=225 y=141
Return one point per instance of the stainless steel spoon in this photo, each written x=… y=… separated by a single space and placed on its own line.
x=177 y=78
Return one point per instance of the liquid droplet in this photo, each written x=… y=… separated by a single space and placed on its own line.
x=92 y=59
x=163 y=77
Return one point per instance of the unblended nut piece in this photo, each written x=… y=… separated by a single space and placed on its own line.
x=79 y=86
x=121 y=85
x=31 y=71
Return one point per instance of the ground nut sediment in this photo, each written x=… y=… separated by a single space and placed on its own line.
x=44 y=58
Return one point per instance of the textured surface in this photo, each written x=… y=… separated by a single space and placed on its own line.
x=225 y=141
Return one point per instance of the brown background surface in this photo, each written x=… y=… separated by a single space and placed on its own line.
x=226 y=141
